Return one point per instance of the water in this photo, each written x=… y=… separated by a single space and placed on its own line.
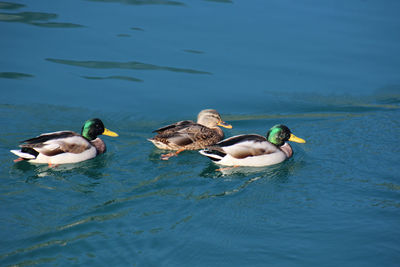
x=328 y=70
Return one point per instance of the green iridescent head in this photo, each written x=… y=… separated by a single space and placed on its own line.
x=279 y=134
x=94 y=127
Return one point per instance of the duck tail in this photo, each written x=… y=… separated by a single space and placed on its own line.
x=215 y=155
x=23 y=154
x=158 y=144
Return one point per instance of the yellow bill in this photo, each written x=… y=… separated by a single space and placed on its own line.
x=296 y=139
x=109 y=133
x=224 y=124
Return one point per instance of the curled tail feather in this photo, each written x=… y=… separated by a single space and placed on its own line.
x=213 y=154
x=23 y=154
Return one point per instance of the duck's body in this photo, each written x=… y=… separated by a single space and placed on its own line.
x=252 y=149
x=65 y=146
x=186 y=134
x=190 y=135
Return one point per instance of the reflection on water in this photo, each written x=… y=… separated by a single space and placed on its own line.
x=8 y=5
x=287 y=116
x=384 y=98
x=389 y=95
x=277 y=173
x=14 y=75
x=36 y=18
x=142 y=2
x=132 y=65
x=310 y=106
x=90 y=168
x=155 y=155
x=123 y=35
x=282 y=170
x=91 y=218
x=193 y=51
x=113 y=77
x=221 y=1
x=136 y=29
x=45 y=244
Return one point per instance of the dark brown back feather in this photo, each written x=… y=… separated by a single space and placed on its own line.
x=190 y=135
x=174 y=127
x=32 y=142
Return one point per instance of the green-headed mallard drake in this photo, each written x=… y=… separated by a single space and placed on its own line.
x=253 y=149
x=65 y=146
x=189 y=135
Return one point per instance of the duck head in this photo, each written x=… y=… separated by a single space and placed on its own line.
x=211 y=119
x=279 y=134
x=94 y=127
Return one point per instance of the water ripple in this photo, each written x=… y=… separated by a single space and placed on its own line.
x=142 y=2
x=132 y=65
x=98 y=218
x=113 y=77
x=15 y=75
x=220 y=1
x=192 y=51
x=35 y=18
x=8 y=5
x=50 y=243
x=137 y=29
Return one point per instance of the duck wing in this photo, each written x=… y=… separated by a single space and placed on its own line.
x=51 y=144
x=243 y=146
x=38 y=140
x=174 y=127
x=186 y=134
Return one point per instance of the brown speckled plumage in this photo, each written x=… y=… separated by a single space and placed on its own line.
x=189 y=135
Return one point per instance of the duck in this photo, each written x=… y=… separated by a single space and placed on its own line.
x=190 y=135
x=65 y=147
x=254 y=150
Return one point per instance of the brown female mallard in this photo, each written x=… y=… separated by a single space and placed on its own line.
x=189 y=135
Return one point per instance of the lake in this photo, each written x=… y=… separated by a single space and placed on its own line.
x=329 y=70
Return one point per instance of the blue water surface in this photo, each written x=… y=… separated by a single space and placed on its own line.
x=329 y=70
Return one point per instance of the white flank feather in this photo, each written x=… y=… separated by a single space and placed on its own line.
x=248 y=145
x=49 y=145
x=54 y=144
x=61 y=158
x=64 y=158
